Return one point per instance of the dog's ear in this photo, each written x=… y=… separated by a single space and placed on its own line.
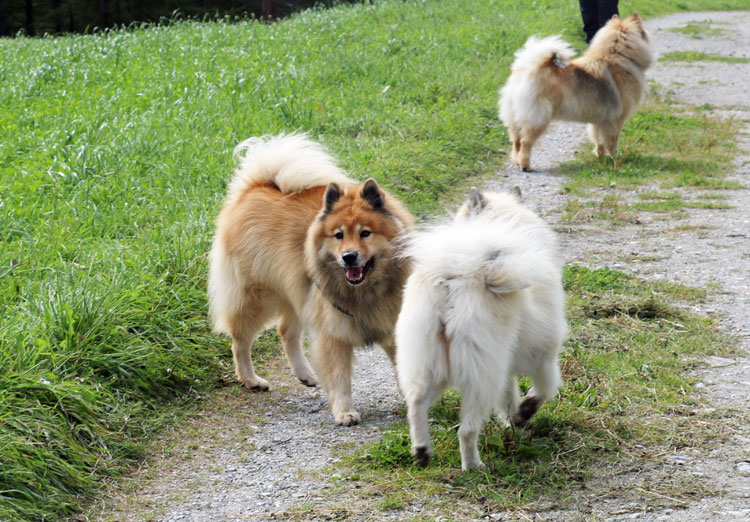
x=372 y=194
x=638 y=21
x=516 y=191
x=476 y=201
x=333 y=194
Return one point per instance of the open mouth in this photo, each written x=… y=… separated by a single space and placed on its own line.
x=356 y=274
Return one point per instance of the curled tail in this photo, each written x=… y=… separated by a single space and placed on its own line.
x=293 y=162
x=540 y=52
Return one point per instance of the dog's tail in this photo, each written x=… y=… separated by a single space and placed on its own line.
x=293 y=162
x=225 y=289
x=543 y=52
x=527 y=255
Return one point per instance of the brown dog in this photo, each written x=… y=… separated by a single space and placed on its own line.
x=603 y=87
x=299 y=242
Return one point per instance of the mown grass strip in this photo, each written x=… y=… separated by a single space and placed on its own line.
x=694 y=56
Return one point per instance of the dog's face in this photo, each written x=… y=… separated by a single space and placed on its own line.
x=355 y=230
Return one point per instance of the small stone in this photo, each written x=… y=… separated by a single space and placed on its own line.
x=743 y=467
x=680 y=460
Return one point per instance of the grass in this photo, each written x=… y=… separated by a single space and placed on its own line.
x=699 y=30
x=625 y=403
x=694 y=56
x=115 y=150
x=663 y=148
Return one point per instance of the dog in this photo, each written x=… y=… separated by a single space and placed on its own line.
x=603 y=87
x=299 y=242
x=484 y=304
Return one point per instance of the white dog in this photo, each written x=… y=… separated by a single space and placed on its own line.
x=484 y=304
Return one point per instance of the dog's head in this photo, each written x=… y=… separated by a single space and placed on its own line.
x=626 y=37
x=354 y=230
x=495 y=204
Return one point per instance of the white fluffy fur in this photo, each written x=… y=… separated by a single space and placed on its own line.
x=293 y=162
x=519 y=99
x=537 y=51
x=483 y=304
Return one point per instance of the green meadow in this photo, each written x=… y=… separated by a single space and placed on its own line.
x=115 y=151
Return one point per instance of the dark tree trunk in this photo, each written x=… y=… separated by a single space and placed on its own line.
x=30 y=18
x=57 y=14
x=71 y=19
x=3 y=24
x=267 y=9
x=103 y=14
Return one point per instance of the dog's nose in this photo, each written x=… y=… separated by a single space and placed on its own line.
x=350 y=258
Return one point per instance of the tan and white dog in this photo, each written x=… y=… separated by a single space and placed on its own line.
x=300 y=244
x=603 y=87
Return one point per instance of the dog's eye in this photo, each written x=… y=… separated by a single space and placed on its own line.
x=364 y=233
x=339 y=235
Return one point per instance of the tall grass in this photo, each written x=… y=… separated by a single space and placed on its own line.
x=115 y=149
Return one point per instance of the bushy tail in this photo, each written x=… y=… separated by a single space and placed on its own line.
x=293 y=162
x=537 y=53
x=224 y=289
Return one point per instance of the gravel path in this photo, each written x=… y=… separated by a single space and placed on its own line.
x=256 y=459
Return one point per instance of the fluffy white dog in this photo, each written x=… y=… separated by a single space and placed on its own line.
x=484 y=304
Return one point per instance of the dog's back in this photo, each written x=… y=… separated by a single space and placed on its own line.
x=482 y=279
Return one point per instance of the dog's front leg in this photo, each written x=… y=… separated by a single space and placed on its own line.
x=333 y=358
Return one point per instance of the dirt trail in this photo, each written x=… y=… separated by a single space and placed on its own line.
x=251 y=460
x=710 y=249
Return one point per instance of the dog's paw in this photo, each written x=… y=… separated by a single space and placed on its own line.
x=256 y=384
x=305 y=374
x=347 y=418
x=310 y=381
x=528 y=408
x=307 y=378
x=422 y=456
x=474 y=464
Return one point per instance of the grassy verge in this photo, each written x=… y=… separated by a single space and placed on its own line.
x=694 y=56
x=626 y=402
x=663 y=149
x=115 y=149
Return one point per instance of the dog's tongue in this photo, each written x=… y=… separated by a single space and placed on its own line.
x=354 y=274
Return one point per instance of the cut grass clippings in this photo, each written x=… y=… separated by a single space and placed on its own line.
x=625 y=401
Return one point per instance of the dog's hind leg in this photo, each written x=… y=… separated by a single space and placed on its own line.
x=333 y=361
x=510 y=402
x=259 y=307
x=529 y=135
x=546 y=380
x=605 y=138
x=290 y=329
x=419 y=397
x=475 y=410
x=515 y=141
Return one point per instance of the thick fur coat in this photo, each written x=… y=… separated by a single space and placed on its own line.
x=301 y=245
x=483 y=305
x=603 y=87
